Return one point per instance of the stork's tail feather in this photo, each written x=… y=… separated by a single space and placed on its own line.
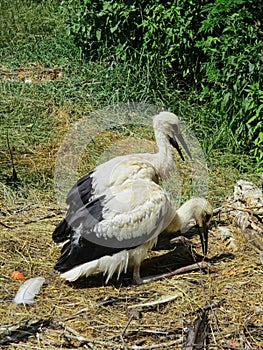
x=81 y=270
x=69 y=253
x=107 y=264
x=62 y=232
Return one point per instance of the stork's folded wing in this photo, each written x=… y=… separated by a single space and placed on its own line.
x=126 y=216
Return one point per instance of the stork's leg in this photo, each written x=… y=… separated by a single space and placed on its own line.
x=198 y=265
x=136 y=274
x=193 y=267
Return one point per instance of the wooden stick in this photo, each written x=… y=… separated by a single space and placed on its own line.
x=4 y=225
x=120 y=346
x=51 y=215
x=162 y=300
x=72 y=334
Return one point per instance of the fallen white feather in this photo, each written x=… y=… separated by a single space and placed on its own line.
x=28 y=290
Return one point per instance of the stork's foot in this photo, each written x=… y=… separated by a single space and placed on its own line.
x=138 y=281
x=193 y=267
x=136 y=275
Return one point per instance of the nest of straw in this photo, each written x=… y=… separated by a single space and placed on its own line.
x=89 y=314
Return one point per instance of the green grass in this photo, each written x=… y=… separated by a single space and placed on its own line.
x=46 y=86
x=32 y=31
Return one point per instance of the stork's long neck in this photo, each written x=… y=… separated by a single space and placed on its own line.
x=183 y=216
x=164 y=161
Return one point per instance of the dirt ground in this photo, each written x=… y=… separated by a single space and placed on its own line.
x=89 y=314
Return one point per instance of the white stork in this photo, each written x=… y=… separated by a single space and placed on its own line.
x=117 y=211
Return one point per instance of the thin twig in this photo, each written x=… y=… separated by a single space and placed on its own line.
x=4 y=288
x=4 y=225
x=220 y=210
x=157 y=346
x=217 y=303
x=25 y=346
x=72 y=334
x=162 y=300
x=124 y=330
x=51 y=215
x=128 y=347
x=67 y=328
x=114 y=300
x=151 y=331
x=126 y=326
x=24 y=208
x=92 y=341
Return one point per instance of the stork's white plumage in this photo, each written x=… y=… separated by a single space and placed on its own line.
x=117 y=211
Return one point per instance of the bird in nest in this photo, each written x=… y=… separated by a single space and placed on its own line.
x=117 y=211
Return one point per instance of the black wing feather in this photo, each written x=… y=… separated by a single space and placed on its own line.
x=79 y=250
x=73 y=254
x=91 y=213
x=80 y=193
x=62 y=232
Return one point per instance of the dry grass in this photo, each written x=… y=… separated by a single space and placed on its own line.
x=39 y=104
x=27 y=221
x=78 y=310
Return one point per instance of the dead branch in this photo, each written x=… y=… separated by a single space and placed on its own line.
x=196 y=337
x=24 y=208
x=215 y=304
x=162 y=300
x=88 y=341
x=121 y=346
x=23 y=332
x=51 y=215
x=229 y=208
x=72 y=334
x=4 y=225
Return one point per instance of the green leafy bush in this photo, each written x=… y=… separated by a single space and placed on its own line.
x=255 y=123
x=232 y=62
x=209 y=51
x=154 y=35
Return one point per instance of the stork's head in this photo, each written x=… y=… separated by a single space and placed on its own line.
x=202 y=212
x=203 y=215
x=198 y=209
x=169 y=125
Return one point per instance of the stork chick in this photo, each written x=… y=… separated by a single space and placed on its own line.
x=117 y=211
x=196 y=208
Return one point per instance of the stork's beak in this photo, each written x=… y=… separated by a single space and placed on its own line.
x=203 y=232
x=174 y=143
